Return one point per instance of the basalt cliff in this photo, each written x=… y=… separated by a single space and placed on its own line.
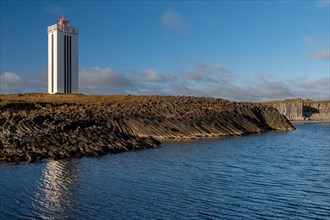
x=304 y=110
x=36 y=127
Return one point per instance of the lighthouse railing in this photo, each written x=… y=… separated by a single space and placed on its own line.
x=63 y=28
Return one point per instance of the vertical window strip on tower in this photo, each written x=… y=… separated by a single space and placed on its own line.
x=67 y=64
x=70 y=70
x=64 y=64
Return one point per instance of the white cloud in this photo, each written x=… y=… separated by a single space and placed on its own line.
x=10 y=78
x=150 y=75
x=322 y=55
x=54 y=9
x=322 y=83
x=310 y=42
x=209 y=80
x=207 y=72
x=173 y=20
x=13 y=83
x=103 y=80
x=264 y=88
x=323 y=3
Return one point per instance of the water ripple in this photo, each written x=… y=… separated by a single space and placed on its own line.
x=268 y=176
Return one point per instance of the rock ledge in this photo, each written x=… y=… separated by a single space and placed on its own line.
x=32 y=131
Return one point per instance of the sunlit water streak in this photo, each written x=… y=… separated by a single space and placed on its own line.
x=271 y=176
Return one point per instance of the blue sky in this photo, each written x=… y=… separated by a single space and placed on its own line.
x=237 y=50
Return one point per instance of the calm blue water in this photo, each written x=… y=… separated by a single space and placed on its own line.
x=268 y=176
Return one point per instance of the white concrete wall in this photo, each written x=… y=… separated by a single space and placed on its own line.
x=55 y=62
x=50 y=62
x=60 y=61
x=74 y=63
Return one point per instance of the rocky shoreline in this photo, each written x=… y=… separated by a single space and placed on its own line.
x=33 y=131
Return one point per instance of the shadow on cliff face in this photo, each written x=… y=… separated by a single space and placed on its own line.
x=309 y=111
x=19 y=106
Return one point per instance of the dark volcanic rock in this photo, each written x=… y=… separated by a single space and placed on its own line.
x=32 y=132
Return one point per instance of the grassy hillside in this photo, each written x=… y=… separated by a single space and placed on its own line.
x=73 y=98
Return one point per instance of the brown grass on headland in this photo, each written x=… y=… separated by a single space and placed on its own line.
x=104 y=99
x=73 y=99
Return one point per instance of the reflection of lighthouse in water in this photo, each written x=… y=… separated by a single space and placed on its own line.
x=62 y=58
x=56 y=190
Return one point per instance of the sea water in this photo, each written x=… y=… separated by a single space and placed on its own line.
x=268 y=176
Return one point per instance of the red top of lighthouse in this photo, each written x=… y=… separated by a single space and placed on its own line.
x=63 y=21
x=63 y=26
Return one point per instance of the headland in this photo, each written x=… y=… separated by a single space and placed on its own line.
x=34 y=127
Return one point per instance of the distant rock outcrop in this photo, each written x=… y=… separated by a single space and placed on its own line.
x=36 y=131
x=292 y=109
x=304 y=110
x=317 y=110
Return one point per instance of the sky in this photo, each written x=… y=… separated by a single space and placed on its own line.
x=236 y=50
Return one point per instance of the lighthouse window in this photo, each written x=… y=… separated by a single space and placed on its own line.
x=70 y=71
x=65 y=64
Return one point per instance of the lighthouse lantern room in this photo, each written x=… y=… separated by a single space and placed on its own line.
x=62 y=58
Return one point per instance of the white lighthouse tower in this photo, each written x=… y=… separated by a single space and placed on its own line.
x=62 y=58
